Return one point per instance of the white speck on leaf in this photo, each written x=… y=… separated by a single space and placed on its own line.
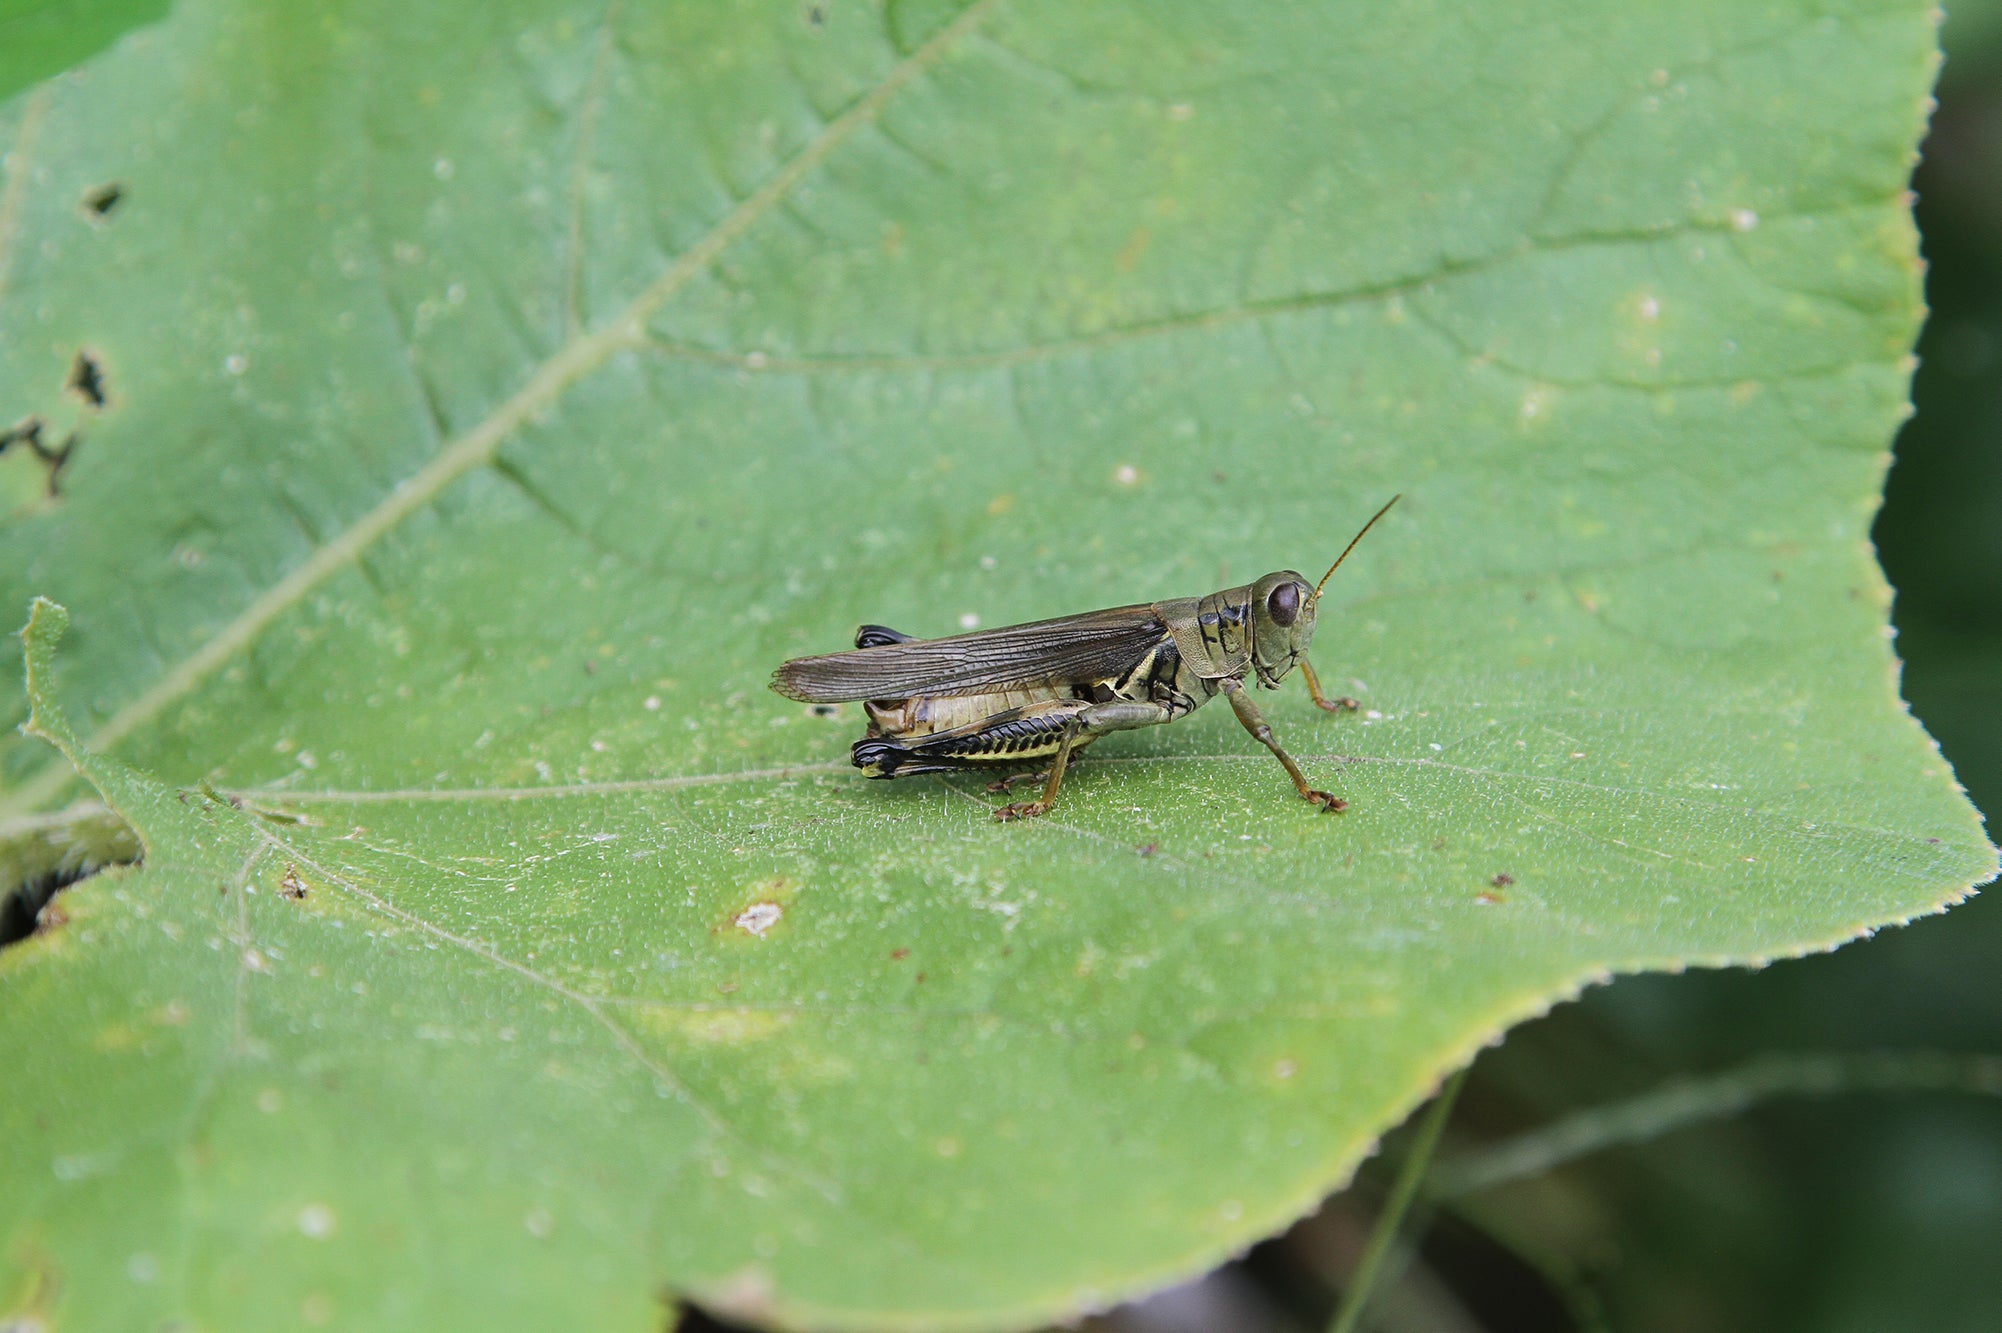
x=1743 y=219
x=759 y=918
x=316 y=1221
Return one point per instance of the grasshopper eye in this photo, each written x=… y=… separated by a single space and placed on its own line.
x=1283 y=605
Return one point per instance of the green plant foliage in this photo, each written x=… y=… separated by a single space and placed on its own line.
x=494 y=395
x=39 y=38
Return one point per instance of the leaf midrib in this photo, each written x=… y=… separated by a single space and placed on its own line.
x=578 y=358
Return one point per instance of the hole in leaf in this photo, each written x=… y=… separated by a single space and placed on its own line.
x=687 y=1318
x=43 y=855
x=86 y=379
x=98 y=202
x=27 y=434
x=31 y=909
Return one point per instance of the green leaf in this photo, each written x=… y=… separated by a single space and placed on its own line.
x=39 y=38
x=494 y=395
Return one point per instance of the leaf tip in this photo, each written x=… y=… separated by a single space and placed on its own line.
x=48 y=621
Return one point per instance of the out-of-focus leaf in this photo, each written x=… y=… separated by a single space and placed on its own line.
x=39 y=38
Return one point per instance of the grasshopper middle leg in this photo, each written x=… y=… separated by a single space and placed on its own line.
x=1089 y=723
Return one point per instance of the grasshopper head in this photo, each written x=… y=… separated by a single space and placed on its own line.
x=1282 y=623
x=1282 y=612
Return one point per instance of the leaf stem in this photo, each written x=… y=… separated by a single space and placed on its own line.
x=1355 y=1296
x=1690 y=1101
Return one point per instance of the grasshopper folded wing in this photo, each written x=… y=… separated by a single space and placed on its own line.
x=1070 y=650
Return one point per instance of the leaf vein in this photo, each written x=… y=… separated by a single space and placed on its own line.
x=16 y=187
x=625 y=1040
x=576 y=360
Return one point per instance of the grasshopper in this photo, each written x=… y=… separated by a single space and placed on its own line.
x=1024 y=693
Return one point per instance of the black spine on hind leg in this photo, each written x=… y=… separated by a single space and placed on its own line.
x=878 y=636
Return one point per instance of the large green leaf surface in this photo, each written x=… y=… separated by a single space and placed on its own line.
x=495 y=394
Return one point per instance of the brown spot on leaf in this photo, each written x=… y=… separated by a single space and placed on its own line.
x=1136 y=246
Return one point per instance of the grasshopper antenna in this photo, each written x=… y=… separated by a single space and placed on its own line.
x=1352 y=545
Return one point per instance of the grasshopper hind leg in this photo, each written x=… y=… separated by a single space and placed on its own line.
x=1053 y=729
x=1008 y=736
x=880 y=757
x=879 y=636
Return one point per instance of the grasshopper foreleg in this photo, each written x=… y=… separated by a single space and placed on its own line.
x=1261 y=731
x=1089 y=723
x=1341 y=703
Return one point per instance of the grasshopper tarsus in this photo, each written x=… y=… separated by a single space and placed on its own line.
x=1008 y=783
x=1020 y=810
x=1330 y=803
